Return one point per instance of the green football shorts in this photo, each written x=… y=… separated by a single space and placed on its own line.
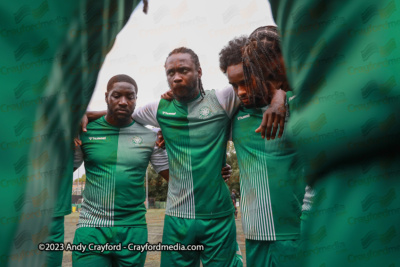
x=93 y=256
x=218 y=237
x=56 y=235
x=271 y=253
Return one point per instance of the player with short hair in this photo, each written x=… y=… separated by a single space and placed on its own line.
x=116 y=151
x=271 y=177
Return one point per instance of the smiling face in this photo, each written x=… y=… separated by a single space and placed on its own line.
x=182 y=76
x=121 y=102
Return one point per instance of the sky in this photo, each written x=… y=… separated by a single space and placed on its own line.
x=205 y=26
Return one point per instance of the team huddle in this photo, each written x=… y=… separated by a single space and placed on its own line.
x=196 y=125
x=312 y=109
x=284 y=221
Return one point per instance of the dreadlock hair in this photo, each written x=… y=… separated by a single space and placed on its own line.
x=195 y=59
x=231 y=54
x=121 y=78
x=262 y=62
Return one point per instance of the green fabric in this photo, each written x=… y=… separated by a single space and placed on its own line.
x=51 y=53
x=271 y=180
x=343 y=62
x=196 y=134
x=354 y=217
x=111 y=235
x=218 y=236
x=64 y=196
x=56 y=235
x=116 y=161
x=271 y=253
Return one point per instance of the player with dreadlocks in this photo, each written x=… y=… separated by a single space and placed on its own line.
x=196 y=62
x=266 y=70
x=271 y=181
x=195 y=126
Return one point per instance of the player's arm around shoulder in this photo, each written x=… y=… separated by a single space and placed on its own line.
x=228 y=100
x=147 y=114
x=159 y=157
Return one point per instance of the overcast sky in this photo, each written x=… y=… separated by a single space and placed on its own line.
x=205 y=26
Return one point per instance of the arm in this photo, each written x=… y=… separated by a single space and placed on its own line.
x=228 y=100
x=147 y=115
x=160 y=140
x=78 y=157
x=159 y=161
x=88 y=117
x=274 y=115
x=226 y=172
x=169 y=95
x=165 y=174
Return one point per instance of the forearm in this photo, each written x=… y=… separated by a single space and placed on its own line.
x=94 y=115
x=278 y=97
x=165 y=174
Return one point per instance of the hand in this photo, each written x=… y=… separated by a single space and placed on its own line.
x=77 y=141
x=226 y=172
x=274 y=115
x=84 y=123
x=160 y=140
x=169 y=95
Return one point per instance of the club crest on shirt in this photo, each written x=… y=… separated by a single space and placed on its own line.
x=137 y=140
x=205 y=112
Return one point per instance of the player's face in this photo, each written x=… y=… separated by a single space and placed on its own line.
x=236 y=79
x=121 y=101
x=182 y=76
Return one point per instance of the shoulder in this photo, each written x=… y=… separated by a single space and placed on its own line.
x=98 y=124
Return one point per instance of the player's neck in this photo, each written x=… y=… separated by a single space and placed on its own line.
x=190 y=97
x=118 y=122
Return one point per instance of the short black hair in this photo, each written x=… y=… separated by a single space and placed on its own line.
x=231 y=54
x=121 y=78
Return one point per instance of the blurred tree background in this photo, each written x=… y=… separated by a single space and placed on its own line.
x=158 y=186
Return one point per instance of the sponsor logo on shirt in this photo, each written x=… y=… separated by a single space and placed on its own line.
x=169 y=113
x=243 y=117
x=137 y=140
x=98 y=138
x=204 y=112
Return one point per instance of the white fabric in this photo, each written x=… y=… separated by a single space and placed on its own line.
x=159 y=159
x=147 y=115
x=228 y=100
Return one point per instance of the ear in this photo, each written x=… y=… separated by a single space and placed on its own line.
x=106 y=97
x=200 y=72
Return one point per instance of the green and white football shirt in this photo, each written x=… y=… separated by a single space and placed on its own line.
x=196 y=134
x=271 y=180
x=116 y=160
